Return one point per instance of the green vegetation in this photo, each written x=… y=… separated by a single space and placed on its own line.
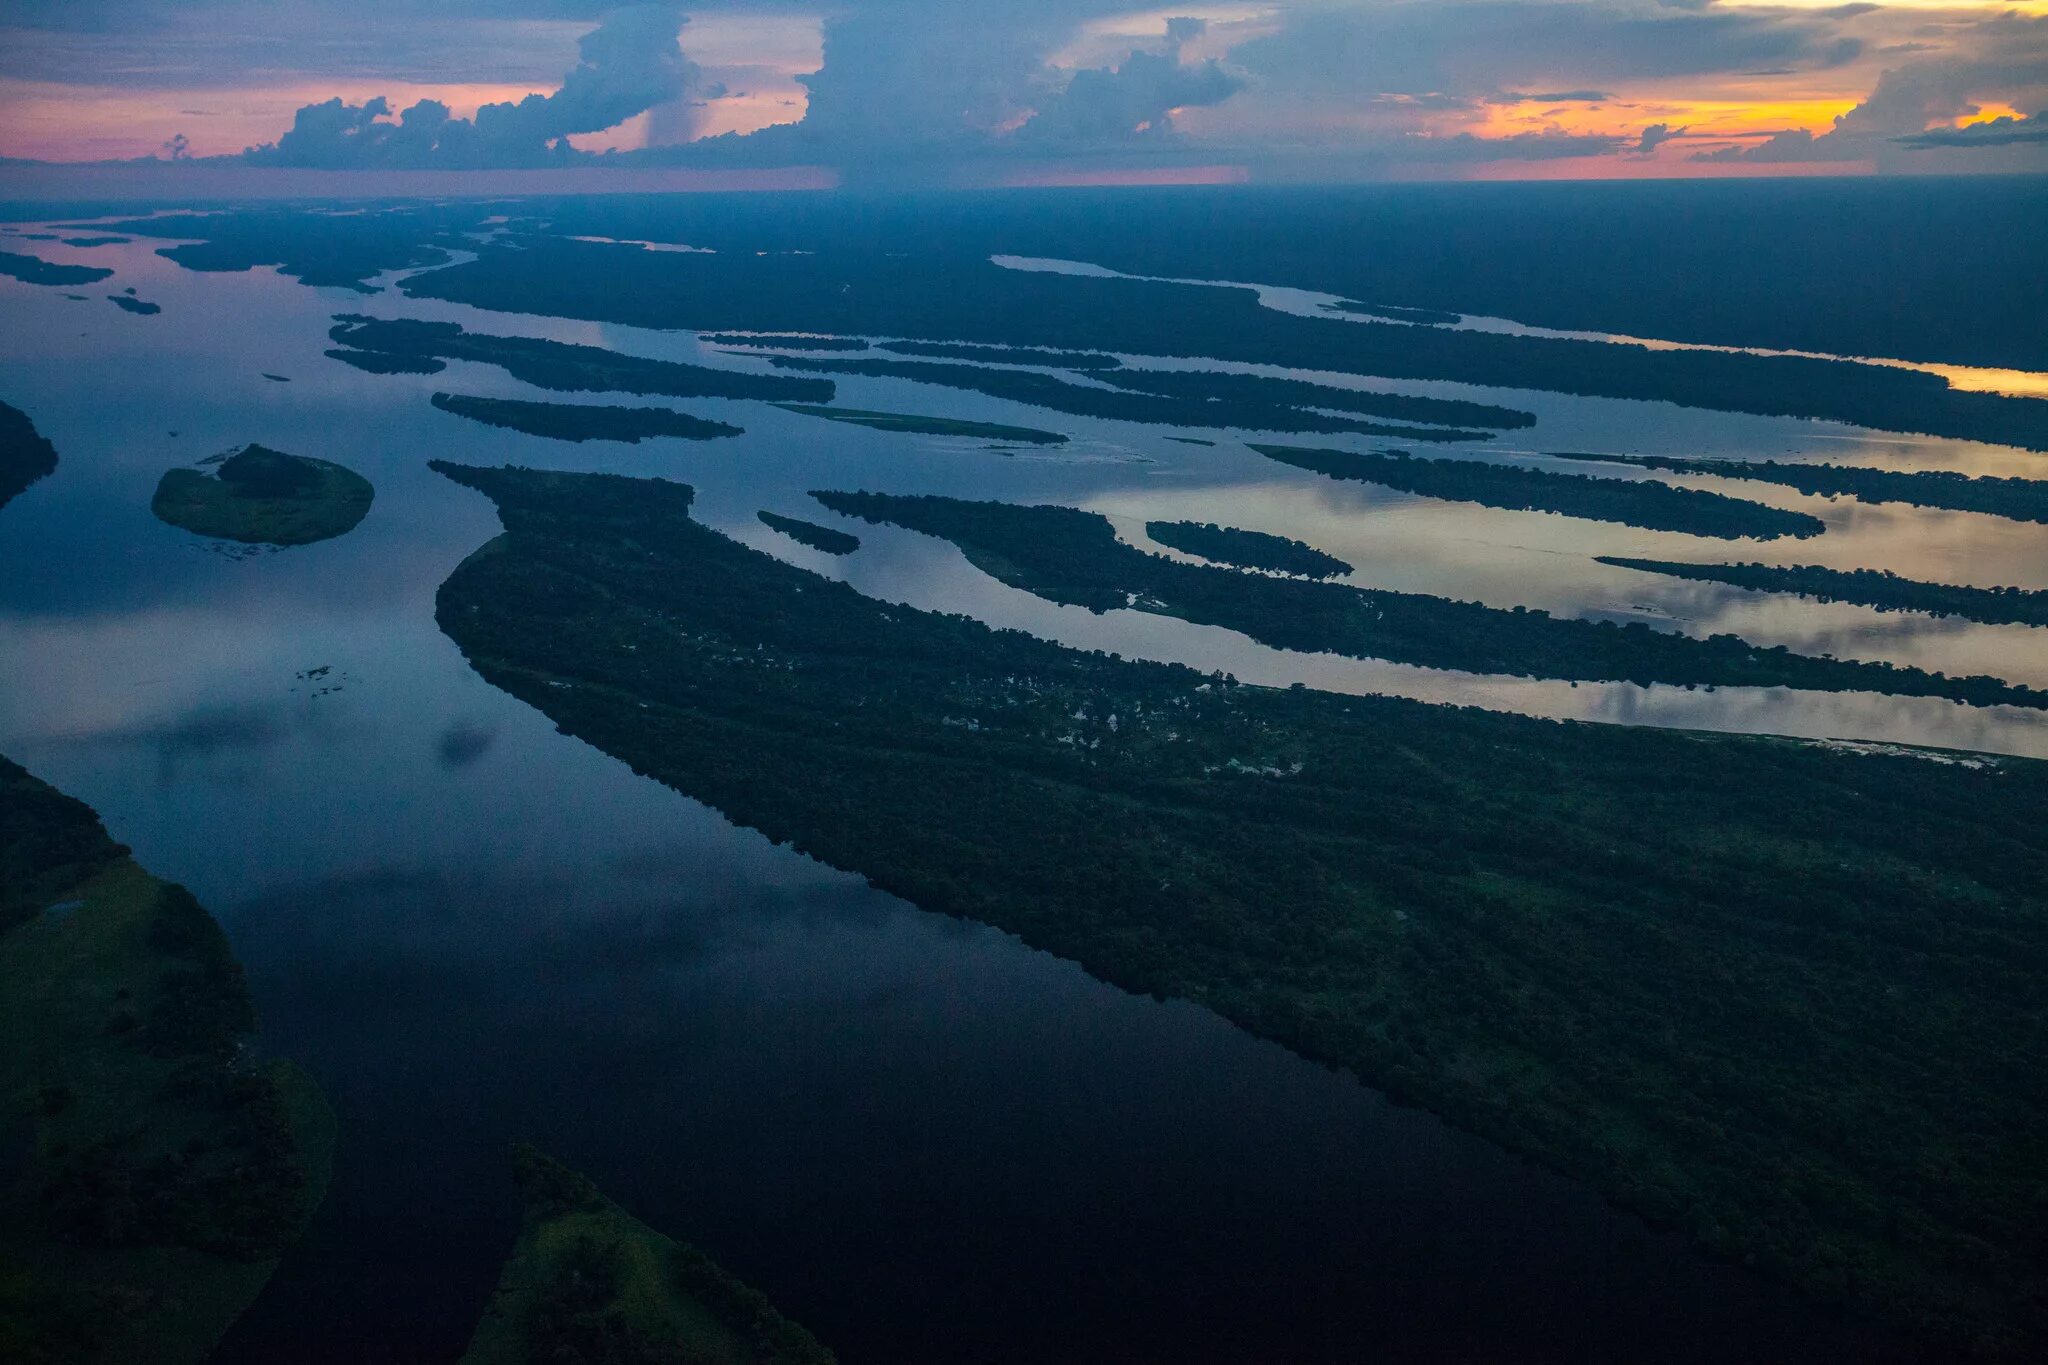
x=1050 y=391
x=1393 y=313
x=562 y=366
x=929 y=426
x=25 y=456
x=1880 y=588
x=376 y=362
x=1067 y=555
x=589 y=1284
x=810 y=533
x=2019 y=499
x=162 y=1172
x=1246 y=549
x=131 y=304
x=1632 y=502
x=789 y=341
x=318 y=247
x=1004 y=355
x=954 y=297
x=1784 y=997
x=582 y=421
x=1221 y=386
x=261 y=496
x=36 y=270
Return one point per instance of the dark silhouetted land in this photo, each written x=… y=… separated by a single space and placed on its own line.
x=929 y=426
x=1246 y=549
x=1761 y=990
x=589 y=1284
x=25 y=456
x=162 y=1169
x=261 y=496
x=1633 y=502
x=582 y=421
x=1879 y=588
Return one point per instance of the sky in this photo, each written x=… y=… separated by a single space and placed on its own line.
x=1013 y=92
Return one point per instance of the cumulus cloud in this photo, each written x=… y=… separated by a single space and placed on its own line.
x=2003 y=131
x=1114 y=104
x=631 y=62
x=1917 y=104
x=1656 y=135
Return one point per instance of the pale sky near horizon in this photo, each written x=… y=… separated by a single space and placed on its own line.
x=1039 y=91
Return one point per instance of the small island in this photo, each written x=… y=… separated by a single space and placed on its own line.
x=36 y=270
x=378 y=362
x=1121 y=404
x=1067 y=555
x=810 y=533
x=566 y=366
x=783 y=341
x=589 y=1284
x=1431 y=317
x=928 y=426
x=1225 y=386
x=1004 y=355
x=260 y=496
x=1246 y=549
x=582 y=421
x=25 y=456
x=130 y=303
x=2015 y=498
x=1632 y=502
x=1878 y=588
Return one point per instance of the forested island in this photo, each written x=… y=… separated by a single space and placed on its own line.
x=154 y=1172
x=589 y=1284
x=1879 y=588
x=1246 y=549
x=1004 y=355
x=1050 y=391
x=563 y=366
x=36 y=270
x=2019 y=499
x=377 y=362
x=1395 y=313
x=25 y=456
x=810 y=533
x=1068 y=555
x=945 y=297
x=582 y=421
x=128 y=303
x=1222 y=386
x=789 y=341
x=928 y=426
x=1632 y=502
x=260 y=496
x=1762 y=990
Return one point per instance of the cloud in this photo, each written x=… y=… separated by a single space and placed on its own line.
x=1552 y=97
x=631 y=62
x=1106 y=105
x=1656 y=135
x=2002 y=131
x=1916 y=105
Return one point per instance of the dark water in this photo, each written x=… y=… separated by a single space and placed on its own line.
x=921 y=1138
